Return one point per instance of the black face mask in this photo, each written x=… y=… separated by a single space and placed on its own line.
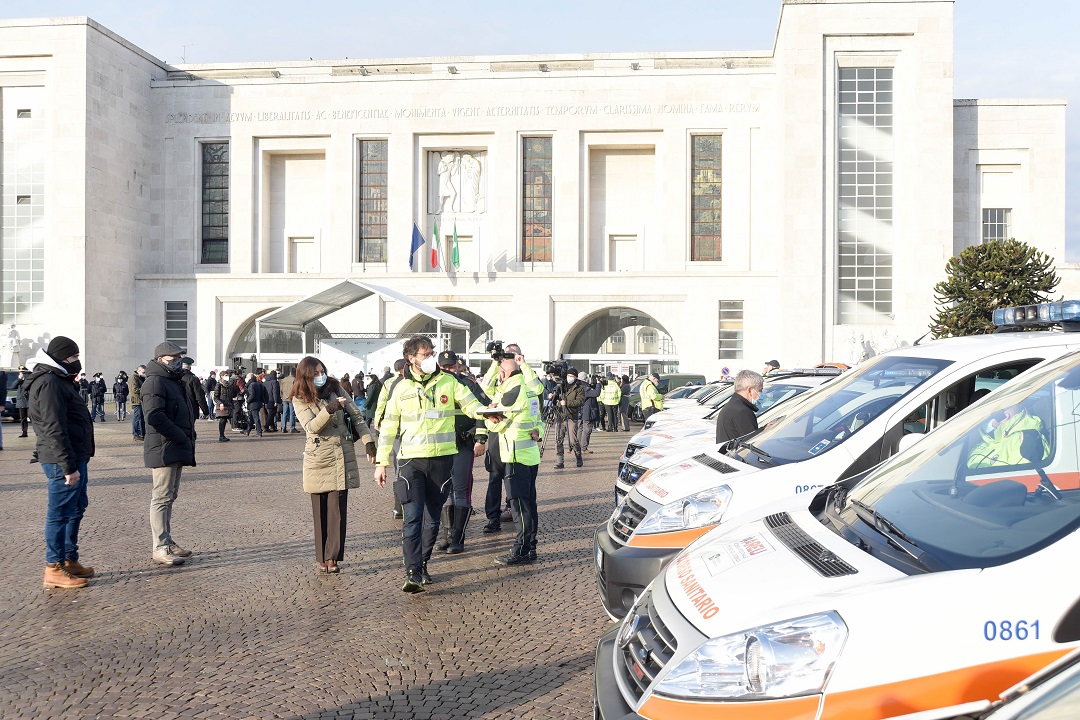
x=72 y=368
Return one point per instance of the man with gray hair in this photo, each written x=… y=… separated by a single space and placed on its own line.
x=738 y=417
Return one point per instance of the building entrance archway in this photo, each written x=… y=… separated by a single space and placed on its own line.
x=621 y=340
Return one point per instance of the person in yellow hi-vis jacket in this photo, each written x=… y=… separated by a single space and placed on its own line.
x=519 y=430
x=421 y=413
x=610 y=397
x=651 y=401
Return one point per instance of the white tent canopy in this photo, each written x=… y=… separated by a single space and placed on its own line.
x=298 y=315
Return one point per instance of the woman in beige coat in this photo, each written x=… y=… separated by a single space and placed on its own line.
x=330 y=464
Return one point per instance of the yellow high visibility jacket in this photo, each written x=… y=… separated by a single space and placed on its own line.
x=491 y=379
x=521 y=410
x=422 y=412
x=611 y=394
x=650 y=396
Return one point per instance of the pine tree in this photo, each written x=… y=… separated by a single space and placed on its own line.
x=982 y=278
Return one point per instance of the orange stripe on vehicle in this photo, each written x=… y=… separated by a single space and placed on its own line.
x=979 y=682
x=658 y=708
x=678 y=539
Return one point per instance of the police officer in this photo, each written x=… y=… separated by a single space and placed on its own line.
x=519 y=431
x=568 y=415
x=421 y=411
x=651 y=401
x=470 y=444
x=610 y=397
x=492 y=461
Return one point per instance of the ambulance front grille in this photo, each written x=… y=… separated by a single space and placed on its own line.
x=647 y=651
x=630 y=516
x=811 y=552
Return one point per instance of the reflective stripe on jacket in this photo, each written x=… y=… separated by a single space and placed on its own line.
x=611 y=394
x=521 y=418
x=422 y=413
x=650 y=396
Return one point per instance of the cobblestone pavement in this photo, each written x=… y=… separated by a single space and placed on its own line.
x=248 y=629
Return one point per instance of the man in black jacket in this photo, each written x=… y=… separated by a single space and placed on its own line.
x=273 y=400
x=169 y=445
x=256 y=395
x=65 y=444
x=193 y=388
x=738 y=417
x=567 y=417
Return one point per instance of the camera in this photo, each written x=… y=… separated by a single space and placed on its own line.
x=495 y=347
x=557 y=368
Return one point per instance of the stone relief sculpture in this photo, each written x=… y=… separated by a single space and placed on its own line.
x=449 y=164
x=11 y=355
x=875 y=341
x=456 y=181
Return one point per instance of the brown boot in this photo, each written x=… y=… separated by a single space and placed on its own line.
x=78 y=569
x=58 y=577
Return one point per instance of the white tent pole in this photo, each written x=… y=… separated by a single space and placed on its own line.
x=468 y=344
x=258 y=341
x=438 y=328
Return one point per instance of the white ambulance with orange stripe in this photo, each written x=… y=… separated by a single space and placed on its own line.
x=839 y=430
x=942 y=576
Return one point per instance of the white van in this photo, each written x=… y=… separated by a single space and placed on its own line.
x=940 y=577
x=844 y=428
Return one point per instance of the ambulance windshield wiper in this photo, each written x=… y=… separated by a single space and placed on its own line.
x=894 y=535
x=765 y=457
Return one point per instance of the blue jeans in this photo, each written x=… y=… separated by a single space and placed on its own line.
x=67 y=503
x=288 y=416
x=138 y=427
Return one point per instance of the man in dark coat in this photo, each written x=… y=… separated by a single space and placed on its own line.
x=738 y=417
x=255 y=393
x=65 y=444
x=169 y=444
x=22 y=400
x=273 y=400
x=138 y=423
x=193 y=388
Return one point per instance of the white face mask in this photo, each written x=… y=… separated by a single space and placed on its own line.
x=570 y=379
x=429 y=365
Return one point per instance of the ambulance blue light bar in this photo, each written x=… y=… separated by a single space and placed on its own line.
x=1053 y=313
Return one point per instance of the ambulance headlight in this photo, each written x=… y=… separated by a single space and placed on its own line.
x=704 y=508
x=784 y=659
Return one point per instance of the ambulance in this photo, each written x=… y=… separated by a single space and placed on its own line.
x=843 y=428
x=941 y=577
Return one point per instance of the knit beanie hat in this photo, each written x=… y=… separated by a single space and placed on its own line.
x=61 y=348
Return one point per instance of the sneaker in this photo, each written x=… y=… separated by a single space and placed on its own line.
x=532 y=556
x=78 y=569
x=165 y=557
x=425 y=576
x=492 y=528
x=57 y=576
x=506 y=516
x=579 y=462
x=179 y=551
x=512 y=559
x=559 y=466
x=412 y=583
x=295 y=430
x=398 y=515
x=223 y=439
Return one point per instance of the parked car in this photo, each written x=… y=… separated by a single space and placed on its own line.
x=937 y=578
x=842 y=429
x=668 y=381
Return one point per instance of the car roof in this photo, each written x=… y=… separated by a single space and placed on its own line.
x=979 y=345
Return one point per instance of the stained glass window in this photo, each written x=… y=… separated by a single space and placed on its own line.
x=371 y=244
x=705 y=199
x=536 y=199
x=215 y=203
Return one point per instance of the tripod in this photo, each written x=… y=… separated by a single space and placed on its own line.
x=557 y=417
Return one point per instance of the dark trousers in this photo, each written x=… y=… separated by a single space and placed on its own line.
x=648 y=412
x=254 y=419
x=138 y=427
x=612 y=417
x=64 y=515
x=429 y=480
x=24 y=418
x=567 y=432
x=521 y=489
x=462 y=478
x=222 y=421
x=496 y=475
x=329 y=510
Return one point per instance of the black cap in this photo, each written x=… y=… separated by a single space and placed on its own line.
x=654 y=375
x=187 y=361
x=168 y=348
x=572 y=371
x=61 y=348
x=774 y=363
x=610 y=376
x=448 y=358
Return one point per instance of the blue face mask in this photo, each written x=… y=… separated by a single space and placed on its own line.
x=320 y=380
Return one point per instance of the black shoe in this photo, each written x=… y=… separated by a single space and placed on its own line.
x=23 y=435
x=492 y=528
x=398 y=515
x=223 y=439
x=579 y=462
x=532 y=556
x=559 y=466
x=412 y=583
x=512 y=559
x=425 y=576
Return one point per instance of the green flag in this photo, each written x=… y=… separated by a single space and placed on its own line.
x=435 y=247
x=454 y=256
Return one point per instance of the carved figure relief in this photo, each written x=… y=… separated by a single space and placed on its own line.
x=11 y=353
x=456 y=181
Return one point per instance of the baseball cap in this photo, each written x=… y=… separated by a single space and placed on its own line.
x=774 y=363
x=447 y=358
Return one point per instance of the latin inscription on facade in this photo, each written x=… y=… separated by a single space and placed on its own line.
x=476 y=111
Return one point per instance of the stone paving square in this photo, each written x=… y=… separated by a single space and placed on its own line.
x=248 y=629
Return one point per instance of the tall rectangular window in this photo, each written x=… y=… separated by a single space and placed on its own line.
x=705 y=200
x=731 y=329
x=536 y=199
x=176 y=322
x=24 y=144
x=865 y=195
x=996 y=224
x=371 y=244
x=215 y=203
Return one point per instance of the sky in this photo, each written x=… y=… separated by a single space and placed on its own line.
x=1002 y=49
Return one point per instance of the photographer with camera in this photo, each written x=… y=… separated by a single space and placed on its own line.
x=566 y=409
x=493 y=461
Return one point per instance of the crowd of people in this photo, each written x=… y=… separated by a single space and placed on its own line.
x=422 y=425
